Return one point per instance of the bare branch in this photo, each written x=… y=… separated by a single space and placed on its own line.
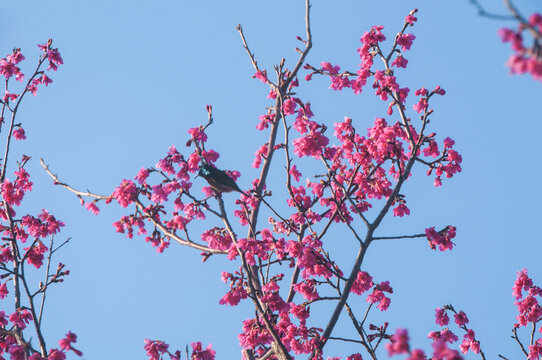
x=64 y=185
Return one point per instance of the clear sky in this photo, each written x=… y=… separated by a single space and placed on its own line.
x=138 y=74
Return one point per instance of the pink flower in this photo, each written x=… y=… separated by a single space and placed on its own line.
x=299 y=311
x=3 y=290
x=91 y=206
x=253 y=334
x=443 y=239
x=5 y=254
x=535 y=19
x=326 y=66
x=166 y=166
x=411 y=19
x=445 y=336
x=339 y=82
x=529 y=309
x=442 y=352
x=21 y=318
x=535 y=350
x=125 y=193
x=272 y=94
x=3 y=320
x=16 y=352
x=66 y=343
x=363 y=283
x=401 y=210
x=441 y=317
x=16 y=57
x=307 y=289
x=431 y=149
x=356 y=356
x=8 y=69
x=310 y=145
x=469 y=342
x=417 y=354
x=11 y=193
x=42 y=226
x=155 y=349
x=295 y=173
x=10 y=97
x=46 y=79
x=399 y=343
x=378 y=296
x=198 y=134
x=217 y=239
x=289 y=106
x=36 y=356
x=199 y=354
x=54 y=58
x=421 y=105
x=405 y=41
x=265 y=120
x=400 y=62
x=34 y=254
x=461 y=318
x=19 y=134
x=56 y=354
x=523 y=281
x=235 y=295
x=33 y=89
x=261 y=75
x=448 y=143
x=158 y=194
x=260 y=154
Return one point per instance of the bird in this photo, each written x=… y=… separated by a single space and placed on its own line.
x=219 y=180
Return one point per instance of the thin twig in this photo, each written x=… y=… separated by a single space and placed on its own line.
x=515 y=336
x=308 y=45
x=346 y=340
x=360 y=330
x=399 y=237
x=482 y=12
x=48 y=268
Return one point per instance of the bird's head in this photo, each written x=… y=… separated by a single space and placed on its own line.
x=205 y=171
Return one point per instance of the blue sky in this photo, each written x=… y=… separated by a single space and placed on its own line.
x=138 y=74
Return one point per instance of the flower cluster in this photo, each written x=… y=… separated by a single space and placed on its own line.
x=399 y=344
x=13 y=192
x=526 y=58
x=442 y=239
x=157 y=349
x=370 y=167
x=447 y=336
x=529 y=308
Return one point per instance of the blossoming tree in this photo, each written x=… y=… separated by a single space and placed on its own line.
x=23 y=236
